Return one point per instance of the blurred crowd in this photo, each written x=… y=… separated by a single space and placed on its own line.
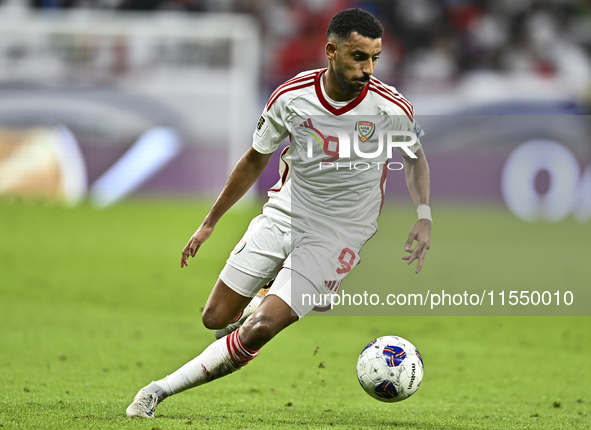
x=426 y=40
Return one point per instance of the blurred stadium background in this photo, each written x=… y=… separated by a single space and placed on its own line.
x=102 y=100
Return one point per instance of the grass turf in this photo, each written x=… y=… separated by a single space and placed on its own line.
x=93 y=306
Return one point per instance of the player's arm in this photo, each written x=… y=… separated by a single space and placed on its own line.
x=419 y=185
x=248 y=169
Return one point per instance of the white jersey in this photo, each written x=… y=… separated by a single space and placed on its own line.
x=321 y=187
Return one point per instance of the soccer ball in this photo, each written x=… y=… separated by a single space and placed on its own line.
x=390 y=369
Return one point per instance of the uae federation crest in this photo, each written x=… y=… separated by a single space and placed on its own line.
x=365 y=130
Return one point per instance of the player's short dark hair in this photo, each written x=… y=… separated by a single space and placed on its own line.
x=349 y=20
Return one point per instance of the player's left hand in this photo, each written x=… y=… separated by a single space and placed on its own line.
x=421 y=232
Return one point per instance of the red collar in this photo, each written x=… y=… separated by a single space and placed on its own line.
x=331 y=108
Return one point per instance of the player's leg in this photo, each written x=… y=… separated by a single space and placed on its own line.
x=279 y=309
x=228 y=354
x=259 y=254
x=234 y=351
x=223 y=306
x=230 y=303
x=221 y=358
x=260 y=249
x=271 y=317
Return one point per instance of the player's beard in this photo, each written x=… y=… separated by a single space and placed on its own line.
x=349 y=85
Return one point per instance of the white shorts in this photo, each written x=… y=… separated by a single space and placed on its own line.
x=260 y=253
x=269 y=244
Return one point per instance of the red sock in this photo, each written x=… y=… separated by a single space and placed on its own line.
x=240 y=354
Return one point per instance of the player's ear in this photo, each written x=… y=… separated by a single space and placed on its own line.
x=331 y=49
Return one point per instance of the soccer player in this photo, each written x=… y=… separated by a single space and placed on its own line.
x=320 y=213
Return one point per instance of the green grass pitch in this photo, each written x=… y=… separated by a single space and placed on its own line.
x=93 y=306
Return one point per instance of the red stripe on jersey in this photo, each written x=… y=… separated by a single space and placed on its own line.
x=285 y=172
x=389 y=95
x=288 y=89
x=288 y=83
x=389 y=98
x=394 y=94
x=292 y=81
x=333 y=110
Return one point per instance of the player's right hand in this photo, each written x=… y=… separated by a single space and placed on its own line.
x=200 y=236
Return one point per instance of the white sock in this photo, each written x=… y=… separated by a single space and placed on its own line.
x=221 y=358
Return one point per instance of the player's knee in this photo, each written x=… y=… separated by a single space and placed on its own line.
x=211 y=319
x=257 y=331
